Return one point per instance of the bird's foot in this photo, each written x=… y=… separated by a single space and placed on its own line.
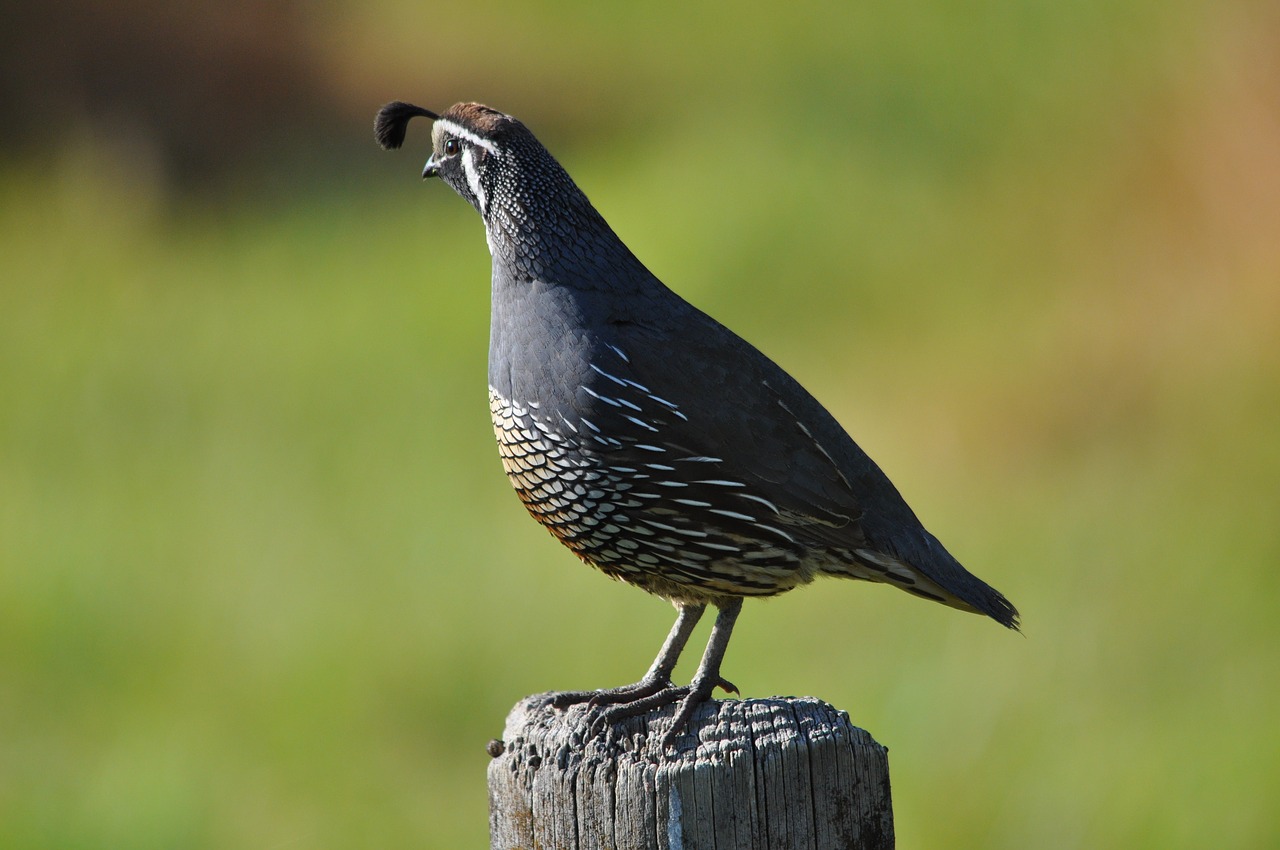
x=613 y=696
x=641 y=698
x=696 y=694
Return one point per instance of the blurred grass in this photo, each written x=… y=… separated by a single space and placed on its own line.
x=262 y=583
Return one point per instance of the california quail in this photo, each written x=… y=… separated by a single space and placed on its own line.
x=651 y=440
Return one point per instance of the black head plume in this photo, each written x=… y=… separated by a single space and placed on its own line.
x=392 y=121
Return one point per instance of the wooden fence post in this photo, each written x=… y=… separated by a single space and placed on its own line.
x=759 y=774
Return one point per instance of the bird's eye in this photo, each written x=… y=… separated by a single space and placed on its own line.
x=452 y=147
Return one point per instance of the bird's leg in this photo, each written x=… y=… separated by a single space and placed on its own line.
x=708 y=677
x=647 y=695
x=659 y=676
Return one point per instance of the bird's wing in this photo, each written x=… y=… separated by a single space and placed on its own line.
x=715 y=397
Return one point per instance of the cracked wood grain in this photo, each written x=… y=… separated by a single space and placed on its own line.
x=759 y=774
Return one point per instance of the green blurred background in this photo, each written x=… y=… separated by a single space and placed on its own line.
x=263 y=584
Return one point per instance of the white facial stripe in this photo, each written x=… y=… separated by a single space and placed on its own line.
x=463 y=133
x=473 y=177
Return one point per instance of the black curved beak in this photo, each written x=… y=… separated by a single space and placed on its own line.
x=431 y=169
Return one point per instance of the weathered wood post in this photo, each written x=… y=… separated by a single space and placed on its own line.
x=760 y=774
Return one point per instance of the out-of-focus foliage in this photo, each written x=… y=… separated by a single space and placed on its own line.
x=262 y=583
x=190 y=91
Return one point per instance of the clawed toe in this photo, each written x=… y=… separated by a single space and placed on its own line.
x=564 y=699
x=655 y=690
x=612 y=696
x=617 y=704
x=629 y=694
x=640 y=703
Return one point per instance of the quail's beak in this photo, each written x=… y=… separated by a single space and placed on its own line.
x=431 y=169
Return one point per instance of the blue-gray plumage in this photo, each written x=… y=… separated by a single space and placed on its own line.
x=651 y=440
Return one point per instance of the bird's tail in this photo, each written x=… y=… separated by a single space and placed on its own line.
x=926 y=569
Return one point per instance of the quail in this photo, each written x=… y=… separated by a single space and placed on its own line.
x=655 y=443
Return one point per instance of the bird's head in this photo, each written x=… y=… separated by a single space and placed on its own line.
x=537 y=222
x=478 y=151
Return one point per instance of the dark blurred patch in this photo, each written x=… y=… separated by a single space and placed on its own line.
x=187 y=90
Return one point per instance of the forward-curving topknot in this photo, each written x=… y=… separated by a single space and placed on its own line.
x=393 y=120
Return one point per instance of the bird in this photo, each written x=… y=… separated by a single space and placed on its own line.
x=652 y=441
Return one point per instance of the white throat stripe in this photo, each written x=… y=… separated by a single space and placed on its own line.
x=473 y=177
